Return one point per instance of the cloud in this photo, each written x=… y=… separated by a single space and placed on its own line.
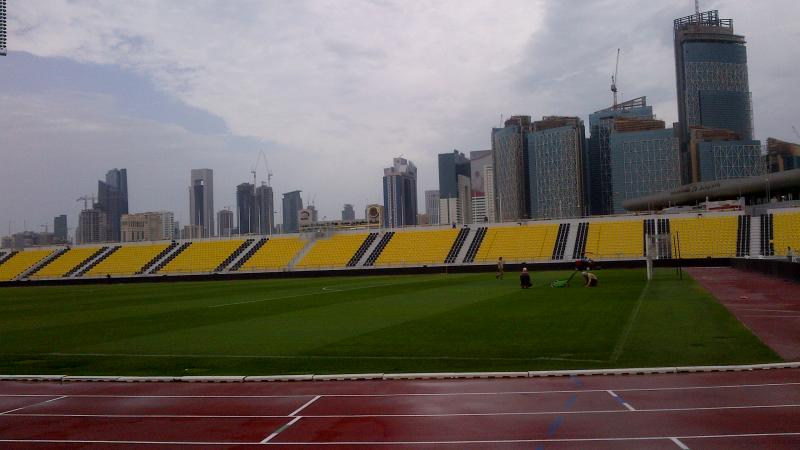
x=332 y=90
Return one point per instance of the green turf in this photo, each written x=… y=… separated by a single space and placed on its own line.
x=419 y=323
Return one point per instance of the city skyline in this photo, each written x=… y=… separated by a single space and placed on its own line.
x=69 y=109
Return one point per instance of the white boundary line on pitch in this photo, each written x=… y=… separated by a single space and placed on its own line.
x=623 y=339
x=406 y=443
x=344 y=416
x=420 y=394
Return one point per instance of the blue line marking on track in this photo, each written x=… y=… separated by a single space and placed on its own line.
x=551 y=430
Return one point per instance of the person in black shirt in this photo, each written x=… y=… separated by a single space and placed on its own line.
x=525 y=278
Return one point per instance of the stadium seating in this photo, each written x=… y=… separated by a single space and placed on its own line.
x=525 y=243
x=705 y=236
x=786 y=232
x=21 y=262
x=202 y=256
x=128 y=260
x=65 y=263
x=332 y=252
x=276 y=254
x=417 y=247
x=615 y=240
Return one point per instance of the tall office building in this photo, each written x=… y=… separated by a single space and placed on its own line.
x=711 y=73
x=509 y=160
x=782 y=155
x=201 y=201
x=265 y=209
x=400 y=194
x=225 y=222
x=645 y=159
x=432 y=206
x=2 y=27
x=112 y=198
x=720 y=154
x=556 y=168
x=246 y=217
x=348 y=213
x=479 y=162
x=597 y=168
x=455 y=188
x=60 y=227
x=292 y=203
x=92 y=227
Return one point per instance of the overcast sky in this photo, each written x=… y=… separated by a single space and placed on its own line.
x=331 y=91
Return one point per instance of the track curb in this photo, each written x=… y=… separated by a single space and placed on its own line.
x=399 y=376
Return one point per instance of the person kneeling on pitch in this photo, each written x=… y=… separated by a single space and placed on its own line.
x=525 y=278
x=590 y=279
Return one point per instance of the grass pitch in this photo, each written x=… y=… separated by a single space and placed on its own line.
x=419 y=323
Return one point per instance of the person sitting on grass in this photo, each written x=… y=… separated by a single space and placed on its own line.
x=590 y=279
x=525 y=278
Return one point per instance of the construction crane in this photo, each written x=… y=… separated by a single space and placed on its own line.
x=261 y=156
x=796 y=133
x=614 y=81
x=85 y=200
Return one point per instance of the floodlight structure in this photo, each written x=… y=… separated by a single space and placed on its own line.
x=3 y=27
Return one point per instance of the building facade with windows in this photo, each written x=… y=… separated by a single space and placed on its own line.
x=400 y=194
x=510 y=160
x=201 y=201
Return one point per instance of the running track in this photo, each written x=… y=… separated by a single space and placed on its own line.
x=708 y=410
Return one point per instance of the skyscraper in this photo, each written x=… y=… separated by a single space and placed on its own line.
x=112 y=198
x=644 y=159
x=2 y=27
x=92 y=227
x=455 y=188
x=597 y=167
x=265 y=209
x=60 y=227
x=400 y=193
x=432 y=206
x=509 y=160
x=712 y=81
x=201 y=200
x=480 y=163
x=225 y=222
x=292 y=203
x=348 y=213
x=246 y=208
x=556 y=172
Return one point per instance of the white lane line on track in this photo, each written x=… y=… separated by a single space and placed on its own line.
x=306 y=404
x=621 y=401
x=35 y=404
x=280 y=430
x=404 y=443
x=679 y=443
x=777 y=316
x=335 y=416
x=420 y=394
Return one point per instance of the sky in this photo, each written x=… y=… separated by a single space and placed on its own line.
x=330 y=91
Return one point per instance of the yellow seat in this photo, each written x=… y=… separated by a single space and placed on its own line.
x=276 y=254
x=615 y=240
x=526 y=243
x=202 y=256
x=21 y=262
x=65 y=262
x=705 y=236
x=127 y=260
x=786 y=232
x=333 y=252
x=418 y=247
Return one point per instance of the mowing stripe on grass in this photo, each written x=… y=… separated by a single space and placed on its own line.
x=623 y=339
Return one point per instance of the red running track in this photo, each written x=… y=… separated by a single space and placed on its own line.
x=768 y=306
x=712 y=410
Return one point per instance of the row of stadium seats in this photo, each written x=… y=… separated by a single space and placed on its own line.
x=698 y=237
x=786 y=233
